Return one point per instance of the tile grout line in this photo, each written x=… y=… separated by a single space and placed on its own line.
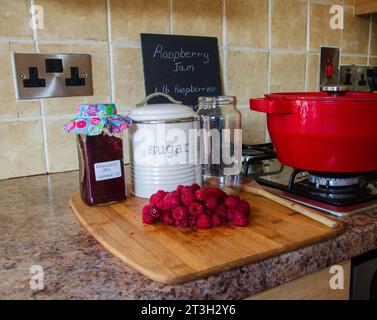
x=355 y=55
x=17 y=119
x=136 y=44
x=110 y=49
x=38 y=117
x=12 y=39
x=341 y=38
x=224 y=49
x=170 y=27
x=307 y=45
x=269 y=45
x=72 y=41
x=370 y=39
x=267 y=135
x=125 y=44
x=317 y=80
x=41 y=104
x=330 y=2
x=281 y=50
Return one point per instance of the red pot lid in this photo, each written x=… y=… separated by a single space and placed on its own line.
x=323 y=96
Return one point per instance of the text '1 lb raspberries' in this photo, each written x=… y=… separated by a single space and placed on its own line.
x=193 y=206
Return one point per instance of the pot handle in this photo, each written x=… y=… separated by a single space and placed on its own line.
x=157 y=94
x=271 y=106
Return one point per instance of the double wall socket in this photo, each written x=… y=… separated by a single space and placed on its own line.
x=52 y=75
x=358 y=78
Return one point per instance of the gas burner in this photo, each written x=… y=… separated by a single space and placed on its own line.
x=338 y=194
x=333 y=180
x=328 y=186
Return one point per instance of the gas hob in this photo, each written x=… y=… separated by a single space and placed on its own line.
x=337 y=194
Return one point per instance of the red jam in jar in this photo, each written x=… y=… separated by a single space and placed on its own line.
x=100 y=151
x=101 y=169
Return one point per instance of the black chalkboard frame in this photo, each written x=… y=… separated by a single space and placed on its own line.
x=161 y=65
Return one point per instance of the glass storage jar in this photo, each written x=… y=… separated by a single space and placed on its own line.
x=100 y=153
x=221 y=143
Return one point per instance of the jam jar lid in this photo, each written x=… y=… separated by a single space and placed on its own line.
x=171 y=112
x=92 y=119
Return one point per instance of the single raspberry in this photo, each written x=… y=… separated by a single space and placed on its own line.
x=196 y=209
x=244 y=207
x=161 y=192
x=216 y=192
x=222 y=211
x=216 y=220
x=232 y=201
x=221 y=197
x=180 y=213
x=204 y=222
x=152 y=211
x=230 y=214
x=168 y=219
x=201 y=194
x=211 y=191
x=162 y=206
x=187 y=198
x=147 y=217
x=156 y=197
x=172 y=200
x=188 y=189
x=211 y=202
x=182 y=224
x=179 y=189
x=240 y=219
x=192 y=221
x=195 y=187
x=221 y=193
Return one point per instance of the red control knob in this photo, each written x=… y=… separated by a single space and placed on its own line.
x=329 y=69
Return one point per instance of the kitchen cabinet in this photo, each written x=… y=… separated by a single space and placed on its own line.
x=314 y=286
x=365 y=7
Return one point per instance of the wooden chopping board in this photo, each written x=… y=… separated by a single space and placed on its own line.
x=171 y=255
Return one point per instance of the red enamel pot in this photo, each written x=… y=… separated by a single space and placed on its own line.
x=317 y=132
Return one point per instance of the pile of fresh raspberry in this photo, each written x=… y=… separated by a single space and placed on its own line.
x=192 y=206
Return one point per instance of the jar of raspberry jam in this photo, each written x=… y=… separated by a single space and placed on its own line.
x=100 y=150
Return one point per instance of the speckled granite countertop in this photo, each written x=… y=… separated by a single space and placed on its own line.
x=37 y=227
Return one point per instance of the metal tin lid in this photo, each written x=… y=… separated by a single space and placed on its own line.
x=162 y=111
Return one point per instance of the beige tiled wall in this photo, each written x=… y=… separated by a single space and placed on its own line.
x=265 y=45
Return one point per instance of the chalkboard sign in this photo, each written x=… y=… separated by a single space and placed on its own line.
x=185 y=67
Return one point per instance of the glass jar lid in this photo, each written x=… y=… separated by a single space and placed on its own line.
x=217 y=100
